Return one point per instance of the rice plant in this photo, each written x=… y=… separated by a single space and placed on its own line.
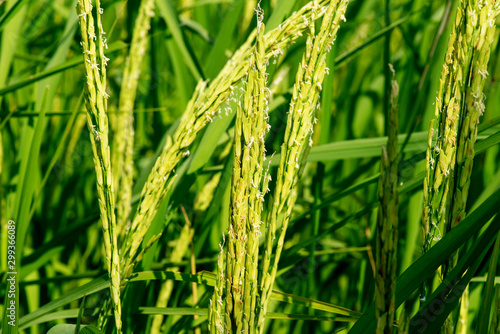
x=273 y=166
x=234 y=304
x=124 y=129
x=97 y=121
x=387 y=222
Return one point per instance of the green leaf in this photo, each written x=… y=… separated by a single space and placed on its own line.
x=280 y=12
x=80 y=313
x=210 y=140
x=90 y=330
x=488 y=142
x=70 y=329
x=427 y=264
x=209 y=279
x=488 y=291
x=95 y=285
x=73 y=62
x=445 y=298
x=217 y=56
x=173 y=310
x=62 y=329
x=59 y=315
x=307 y=317
x=204 y=312
x=370 y=147
x=168 y=13
x=10 y=13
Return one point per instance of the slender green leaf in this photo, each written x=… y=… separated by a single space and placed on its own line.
x=488 y=290
x=167 y=11
x=427 y=264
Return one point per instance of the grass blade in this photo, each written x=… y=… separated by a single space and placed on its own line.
x=421 y=269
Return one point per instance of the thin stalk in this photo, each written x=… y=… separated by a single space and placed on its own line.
x=387 y=222
x=387 y=72
x=204 y=106
x=459 y=105
x=123 y=140
x=236 y=311
x=297 y=141
x=97 y=120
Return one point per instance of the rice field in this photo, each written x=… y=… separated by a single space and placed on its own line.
x=231 y=166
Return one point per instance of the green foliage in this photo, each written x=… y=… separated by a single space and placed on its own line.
x=72 y=329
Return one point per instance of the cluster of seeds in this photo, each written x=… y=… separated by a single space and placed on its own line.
x=240 y=297
x=96 y=99
x=387 y=222
x=202 y=108
x=297 y=140
x=123 y=140
x=459 y=105
x=236 y=292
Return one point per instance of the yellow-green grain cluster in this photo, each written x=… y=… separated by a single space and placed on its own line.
x=203 y=107
x=249 y=184
x=216 y=313
x=297 y=139
x=387 y=223
x=123 y=140
x=93 y=45
x=482 y=36
x=459 y=104
x=159 y=181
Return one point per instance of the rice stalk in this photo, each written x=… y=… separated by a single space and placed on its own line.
x=458 y=107
x=297 y=141
x=178 y=252
x=483 y=36
x=97 y=121
x=459 y=104
x=155 y=190
x=387 y=222
x=206 y=104
x=248 y=184
x=1 y=193
x=247 y=195
x=216 y=310
x=247 y=15
x=441 y=156
x=123 y=140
